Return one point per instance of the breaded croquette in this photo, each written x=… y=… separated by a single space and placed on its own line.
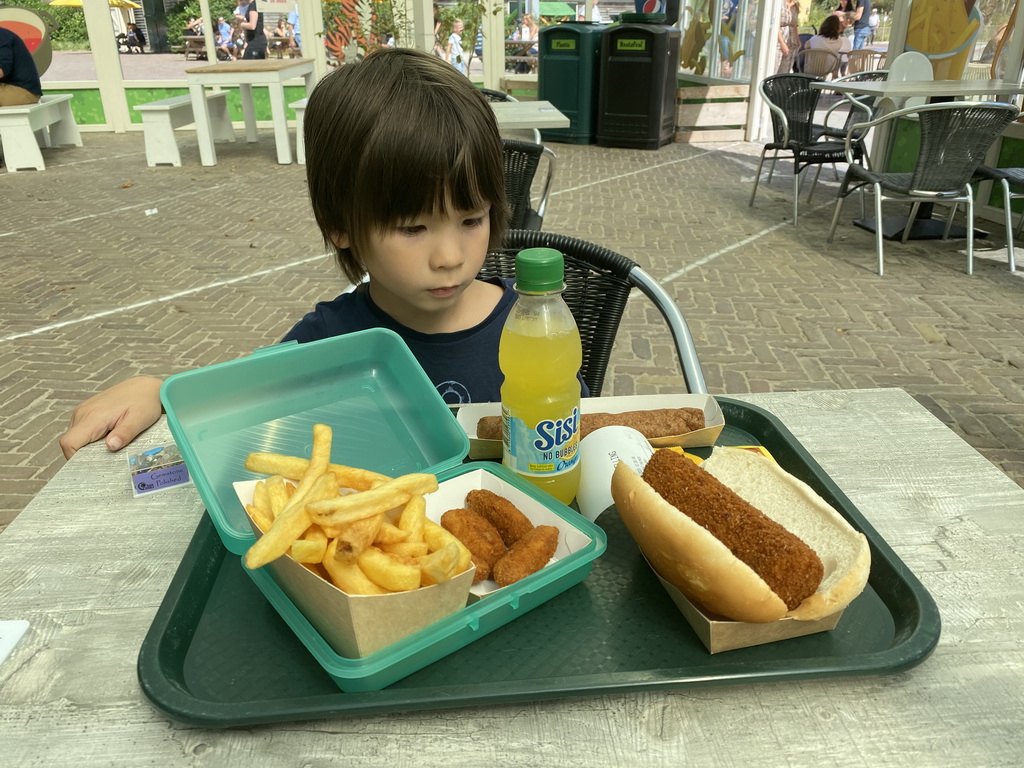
x=479 y=536
x=501 y=513
x=528 y=555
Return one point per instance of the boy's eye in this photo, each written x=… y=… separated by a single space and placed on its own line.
x=411 y=229
x=475 y=221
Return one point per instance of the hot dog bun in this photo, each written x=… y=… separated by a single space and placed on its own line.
x=702 y=567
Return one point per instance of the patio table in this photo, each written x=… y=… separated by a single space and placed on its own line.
x=245 y=73
x=87 y=566
x=512 y=115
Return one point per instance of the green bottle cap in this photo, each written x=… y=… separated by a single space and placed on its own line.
x=539 y=270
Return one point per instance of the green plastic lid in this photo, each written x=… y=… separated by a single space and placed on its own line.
x=539 y=270
x=643 y=18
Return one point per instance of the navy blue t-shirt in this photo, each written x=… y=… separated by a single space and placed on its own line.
x=462 y=365
x=17 y=64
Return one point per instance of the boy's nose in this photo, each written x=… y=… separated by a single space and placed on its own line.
x=446 y=253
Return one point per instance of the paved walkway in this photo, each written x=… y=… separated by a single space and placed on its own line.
x=113 y=269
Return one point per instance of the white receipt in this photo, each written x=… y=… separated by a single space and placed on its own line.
x=600 y=453
x=10 y=634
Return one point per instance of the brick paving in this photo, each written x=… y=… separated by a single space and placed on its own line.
x=114 y=269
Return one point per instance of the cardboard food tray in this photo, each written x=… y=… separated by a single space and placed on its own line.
x=469 y=415
x=218 y=655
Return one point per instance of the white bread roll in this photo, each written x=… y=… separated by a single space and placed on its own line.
x=704 y=569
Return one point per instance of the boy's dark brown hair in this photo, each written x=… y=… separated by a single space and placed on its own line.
x=398 y=135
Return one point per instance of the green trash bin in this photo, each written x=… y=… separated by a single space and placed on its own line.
x=567 y=76
x=637 y=87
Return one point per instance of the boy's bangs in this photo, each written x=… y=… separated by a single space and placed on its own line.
x=419 y=176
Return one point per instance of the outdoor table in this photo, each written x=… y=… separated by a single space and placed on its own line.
x=512 y=115
x=245 y=73
x=87 y=566
x=892 y=95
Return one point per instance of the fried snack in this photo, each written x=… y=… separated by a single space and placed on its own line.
x=412 y=518
x=278 y=493
x=354 y=538
x=311 y=547
x=291 y=523
x=294 y=467
x=389 y=533
x=437 y=538
x=511 y=524
x=261 y=511
x=388 y=572
x=356 y=506
x=439 y=566
x=528 y=555
x=479 y=537
x=348 y=576
x=662 y=422
x=786 y=564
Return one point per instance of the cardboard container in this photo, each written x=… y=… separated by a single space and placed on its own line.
x=720 y=634
x=714 y=421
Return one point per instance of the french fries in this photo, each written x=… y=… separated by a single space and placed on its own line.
x=374 y=541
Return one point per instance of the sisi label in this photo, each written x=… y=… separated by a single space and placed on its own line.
x=550 y=448
x=563 y=45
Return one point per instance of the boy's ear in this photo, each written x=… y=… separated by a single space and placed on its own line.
x=341 y=240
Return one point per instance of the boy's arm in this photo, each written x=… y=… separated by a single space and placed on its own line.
x=119 y=414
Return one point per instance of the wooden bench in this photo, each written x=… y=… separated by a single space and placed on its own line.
x=27 y=127
x=300 y=143
x=160 y=118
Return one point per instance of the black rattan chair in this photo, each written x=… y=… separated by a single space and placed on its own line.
x=1007 y=178
x=522 y=159
x=954 y=139
x=597 y=285
x=793 y=102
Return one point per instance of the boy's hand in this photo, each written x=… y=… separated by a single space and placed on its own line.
x=119 y=413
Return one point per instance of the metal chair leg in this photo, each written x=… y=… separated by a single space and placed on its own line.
x=775 y=159
x=970 y=230
x=878 y=225
x=835 y=216
x=910 y=221
x=796 y=193
x=757 y=176
x=815 y=182
x=1009 y=224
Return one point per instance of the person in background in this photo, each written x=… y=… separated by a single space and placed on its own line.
x=404 y=194
x=438 y=50
x=873 y=21
x=19 y=78
x=135 y=39
x=454 y=53
x=295 y=34
x=861 y=23
x=829 y=38
x=225 y=41
x=251 y=22
x=789 y=36
x=281 y=30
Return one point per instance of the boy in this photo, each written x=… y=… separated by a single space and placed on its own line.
x=404 y=167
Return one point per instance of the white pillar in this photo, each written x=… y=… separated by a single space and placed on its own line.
x=107 y=62
x=494 y=44
x=423 y=23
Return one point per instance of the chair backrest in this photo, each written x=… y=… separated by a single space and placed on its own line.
x=854 y=115
x=817 y=62
x=955 y=137
x=598 y=282
x=792 y=102
x=521 y=161
x=497 y=96
x=863 y=60
x=911 y=66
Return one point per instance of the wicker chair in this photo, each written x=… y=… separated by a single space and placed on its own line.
x=793 y=102
x=1007 y=178
x=817 y=62
x=597 y=285
x=954 y=139
x=498 y=96
x=522 y=159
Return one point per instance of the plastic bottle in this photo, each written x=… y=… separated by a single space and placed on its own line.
x=540 y=355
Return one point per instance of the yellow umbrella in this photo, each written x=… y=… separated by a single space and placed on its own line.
x=78 y=3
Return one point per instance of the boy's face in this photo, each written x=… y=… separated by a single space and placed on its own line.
x=458 y=26
x=419 y=271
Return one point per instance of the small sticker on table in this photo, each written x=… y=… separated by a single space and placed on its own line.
x=10 y=634
x=157 y=469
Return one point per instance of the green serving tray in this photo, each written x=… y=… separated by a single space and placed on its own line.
x=219 y=655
